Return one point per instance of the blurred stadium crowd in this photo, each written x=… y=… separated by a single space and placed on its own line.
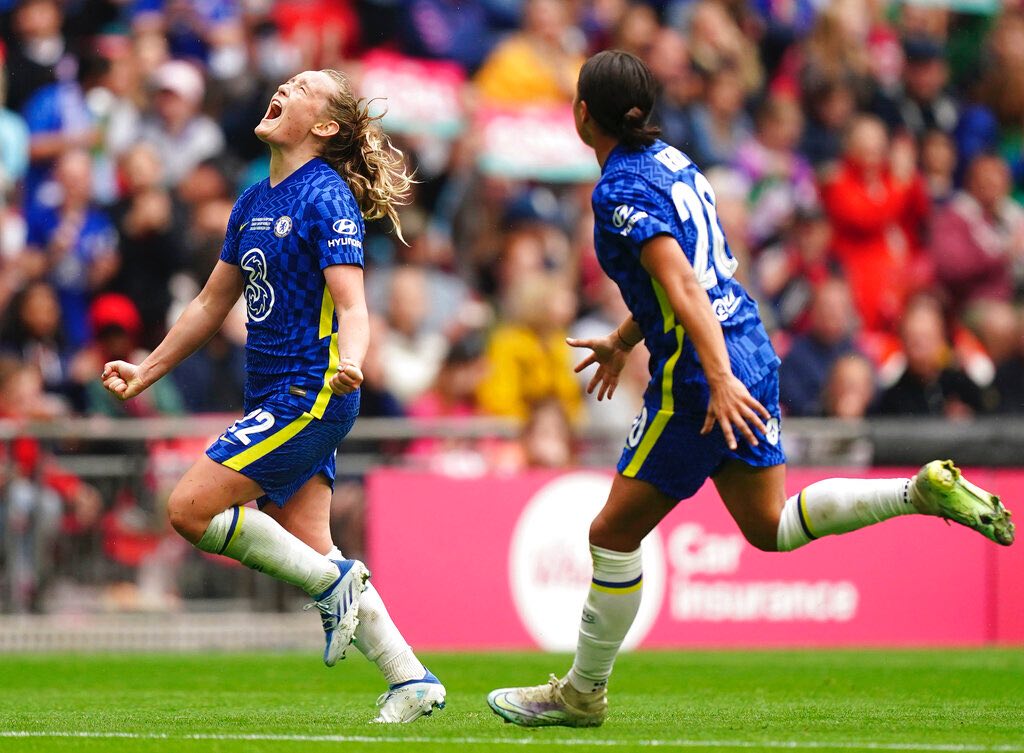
x=868 y=159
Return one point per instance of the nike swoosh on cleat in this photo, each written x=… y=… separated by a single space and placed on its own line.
x=504 y=704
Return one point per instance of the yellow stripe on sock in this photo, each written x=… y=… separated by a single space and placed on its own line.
x=268 y=445
x=664 y=413
x=238 y=527
x=610 y=590
x=802 y=507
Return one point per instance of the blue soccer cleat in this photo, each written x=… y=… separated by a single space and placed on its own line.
x=408 y=701
x=339 y=608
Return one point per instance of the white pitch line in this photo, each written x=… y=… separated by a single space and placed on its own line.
x=569 y=742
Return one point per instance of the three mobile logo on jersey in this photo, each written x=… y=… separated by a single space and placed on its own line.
x=259 y=293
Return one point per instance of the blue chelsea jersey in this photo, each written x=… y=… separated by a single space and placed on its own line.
x=282 y=238
x=659 y=191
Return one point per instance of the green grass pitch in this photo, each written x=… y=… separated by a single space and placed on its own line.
x=935 y=700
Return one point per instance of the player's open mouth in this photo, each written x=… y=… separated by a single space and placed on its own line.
x=274 y=110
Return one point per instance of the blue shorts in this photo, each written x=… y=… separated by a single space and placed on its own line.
x=281 y=447
x=666 y=449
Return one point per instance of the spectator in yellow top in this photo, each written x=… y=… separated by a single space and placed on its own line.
x=538 y=65
x=527 y=356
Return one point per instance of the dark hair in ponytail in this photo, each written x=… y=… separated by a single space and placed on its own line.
x=364 y=156
x=619 y=90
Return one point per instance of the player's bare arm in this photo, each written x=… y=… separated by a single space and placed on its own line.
x=730 y=404
x=609 y=353
x=345 y=281
x=199 y=322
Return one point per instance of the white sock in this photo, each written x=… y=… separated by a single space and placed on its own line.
x=258 y=541
x=610 y=609
x=379 y=639
x=840 y=505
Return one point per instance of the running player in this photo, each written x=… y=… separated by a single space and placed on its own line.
x=711 y=408
x=294 y=248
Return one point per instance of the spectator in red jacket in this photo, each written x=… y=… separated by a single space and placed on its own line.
x=977 y=237
x=876 y=202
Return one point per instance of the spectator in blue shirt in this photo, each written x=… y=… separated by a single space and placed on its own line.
x=806 y=367
x=73 y=244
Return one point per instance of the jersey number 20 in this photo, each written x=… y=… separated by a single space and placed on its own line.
x=711 y=260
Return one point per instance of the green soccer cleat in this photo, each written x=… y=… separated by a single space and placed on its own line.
x=555 y=704
x=940 y=489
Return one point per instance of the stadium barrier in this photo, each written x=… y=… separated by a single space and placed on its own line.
x=130 y=563
x=509 y=568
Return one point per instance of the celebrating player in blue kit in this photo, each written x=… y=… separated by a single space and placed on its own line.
x=294 y=249
x=711 y=408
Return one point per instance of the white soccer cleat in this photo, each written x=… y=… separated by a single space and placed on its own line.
x=339 y=608
x=407 y=701
x=940 y=489
x=557 y=703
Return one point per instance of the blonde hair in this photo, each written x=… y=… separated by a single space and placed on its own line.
x=364 y=156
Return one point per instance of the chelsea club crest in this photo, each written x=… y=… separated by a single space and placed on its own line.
x=283 y=226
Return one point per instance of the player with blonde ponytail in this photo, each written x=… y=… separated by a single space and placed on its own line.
x=294 y=248
x=364 y=156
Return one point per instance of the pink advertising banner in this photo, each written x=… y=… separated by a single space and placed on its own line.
x=424 y=96
x=534 y=143
x=502 y=562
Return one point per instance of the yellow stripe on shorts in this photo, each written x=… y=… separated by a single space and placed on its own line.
x=266 y=446
x=664 y=413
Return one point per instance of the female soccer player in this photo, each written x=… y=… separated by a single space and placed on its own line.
x=711 y=408
x=294 y=248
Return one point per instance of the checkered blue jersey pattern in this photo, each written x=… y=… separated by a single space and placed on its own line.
x=659 y=191
x=283 y=237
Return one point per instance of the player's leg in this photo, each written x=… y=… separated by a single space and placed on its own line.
x=756 y=499
x=205 y=508
x=267 y=453
x=412 y=690
x=752 y=485
x=633 y=509
x=307 y=515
